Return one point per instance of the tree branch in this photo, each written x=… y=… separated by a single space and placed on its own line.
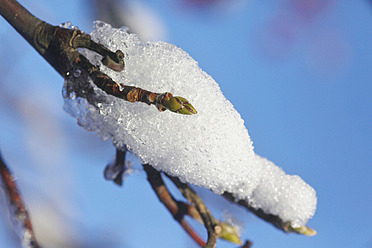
x=176 y=208
x=19 y=214
x=273 y=219
x=212 y=226
x=198 y=211
x=59 y=47
x=21 y=20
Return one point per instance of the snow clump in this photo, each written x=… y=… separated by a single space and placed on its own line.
x=211 y=149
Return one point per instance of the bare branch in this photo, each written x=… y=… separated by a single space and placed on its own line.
x=212 y=226
x=176 y=208
x=22 y=20
x=19 y=214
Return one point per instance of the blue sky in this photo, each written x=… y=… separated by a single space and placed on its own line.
x=299 y=76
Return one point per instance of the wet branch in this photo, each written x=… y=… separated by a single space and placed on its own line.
x=19 y=215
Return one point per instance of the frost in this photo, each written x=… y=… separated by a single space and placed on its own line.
x=211 y=149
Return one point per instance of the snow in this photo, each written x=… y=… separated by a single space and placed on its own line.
x=211 y=149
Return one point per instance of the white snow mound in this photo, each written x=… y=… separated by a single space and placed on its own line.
x=211 y=149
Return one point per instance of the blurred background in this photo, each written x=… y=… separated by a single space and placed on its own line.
x=298 y=71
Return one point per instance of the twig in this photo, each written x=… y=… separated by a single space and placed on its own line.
x=19 y=213
x=273 y=219
x=176 y=208
x=211 y=224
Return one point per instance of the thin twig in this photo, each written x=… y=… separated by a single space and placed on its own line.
x=19 y=214
x=176 y=208
x=273 y=219
x=270 y=218
x=211 y=224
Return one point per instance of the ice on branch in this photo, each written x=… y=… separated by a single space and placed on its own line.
x=211 y=149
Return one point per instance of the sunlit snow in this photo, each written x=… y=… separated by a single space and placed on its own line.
x=211 y=149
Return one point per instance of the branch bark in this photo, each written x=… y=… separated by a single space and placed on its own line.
x=22 y=20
